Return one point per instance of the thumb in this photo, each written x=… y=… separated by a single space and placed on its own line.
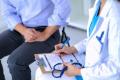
x=66 y=64
x=58 y=46
x=33 y=30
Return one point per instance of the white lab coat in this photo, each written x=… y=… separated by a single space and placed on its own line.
x=102 y=61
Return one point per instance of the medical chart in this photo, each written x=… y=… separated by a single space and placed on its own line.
x=50 y=59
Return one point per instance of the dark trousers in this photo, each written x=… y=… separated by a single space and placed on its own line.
x=22 y=53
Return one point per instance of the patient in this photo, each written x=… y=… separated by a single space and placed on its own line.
x=33 y=27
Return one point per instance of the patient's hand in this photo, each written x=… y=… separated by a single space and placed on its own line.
x=29 y=34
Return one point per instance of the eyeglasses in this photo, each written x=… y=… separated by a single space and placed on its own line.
x=59 y=69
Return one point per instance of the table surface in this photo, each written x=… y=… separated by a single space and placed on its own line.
x=48 y=76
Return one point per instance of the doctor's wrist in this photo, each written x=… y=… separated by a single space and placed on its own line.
x=78 y=71
x=73 y=49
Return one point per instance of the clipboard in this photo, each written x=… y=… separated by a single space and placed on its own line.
x=46 y=61
x=41 y=64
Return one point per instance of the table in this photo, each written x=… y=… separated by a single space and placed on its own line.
x=48 y=76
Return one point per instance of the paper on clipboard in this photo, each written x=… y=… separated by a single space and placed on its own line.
x=50 y=59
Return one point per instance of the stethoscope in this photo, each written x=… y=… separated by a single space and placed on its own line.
x=61 y=71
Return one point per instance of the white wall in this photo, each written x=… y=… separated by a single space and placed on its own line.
x=2 y=24
x=79 y=14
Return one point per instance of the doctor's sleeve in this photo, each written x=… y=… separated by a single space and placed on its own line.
x=61 y=13
x=81 y=46
x=9 y=14
x=109 y=67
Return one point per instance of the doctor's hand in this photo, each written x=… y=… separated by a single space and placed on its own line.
x=65 y=50
x=72 y=70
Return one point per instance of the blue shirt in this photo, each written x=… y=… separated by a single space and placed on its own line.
x=34 y=13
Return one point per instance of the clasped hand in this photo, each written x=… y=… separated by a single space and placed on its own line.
x=31 y=35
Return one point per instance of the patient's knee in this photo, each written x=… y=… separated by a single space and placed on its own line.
x=15 y=65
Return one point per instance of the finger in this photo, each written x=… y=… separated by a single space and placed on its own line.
x=34 y=31
x=56 y=53
x=68 y=74
x=30 y=32
x=30 y=39
x=66 y=64
x=32 y=36
x=60 y=51
x=58 y=46
x=62 y=54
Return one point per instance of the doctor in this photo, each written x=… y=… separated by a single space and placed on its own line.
x=102 y=46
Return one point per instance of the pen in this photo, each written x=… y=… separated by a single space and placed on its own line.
x=66 y=41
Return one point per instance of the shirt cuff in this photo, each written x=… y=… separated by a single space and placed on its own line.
x=13 y=21
x=84 y=74
x=56 y=20
x=81 y=46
